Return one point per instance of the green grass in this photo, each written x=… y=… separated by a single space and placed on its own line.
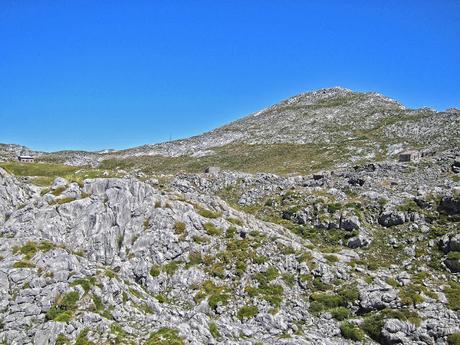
x=30 y=248
x=23 y=264
x=453 y=295
x=64 y=307
x=207 y=213
x=454 y=339
x=275 y=158
x=171 y=267
x=82 y=338
x=155 y=271
x=45 y=173
x=118 y=331
x=211 y=229
x=214 y=330
x=453 y=256
x=165 y=336
x=247 y=312
x=61 y=339
x=179 y=228
x=216 y=294
x=86 y=284
x=352 y=332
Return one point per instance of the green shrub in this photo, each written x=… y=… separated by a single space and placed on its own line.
x=118 y=331
x=348 y=294
x=216 y=298
x=260 y=259
x=327 y=300
x=195 y=258
x=179 y=228
x=403 y=315
x=98 y=305
x=289 y=279
x=452 y=293
x=61 y=339
x=264 y=278
x=340 y=313
x=410 y=295
x=155 y=271
x=82 y=338
x=171 y=268
x=247 y=312
x=454 y=339
x=331 y=258
x=235 y=221
x=23 y=264
x=214 y=330
x=231 y=232
x=165 y=336
x=211 y=229
x=373 y=325
x=207 y=213
x=86 y=284
x=63 y=308
x=58 y=191
x=352 y=332
x=200 y=239
x=161 y=298
x=453 y=256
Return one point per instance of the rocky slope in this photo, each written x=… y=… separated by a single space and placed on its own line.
x=336 y=125
x=361 y=254
x=327 y=117
x=364 y=250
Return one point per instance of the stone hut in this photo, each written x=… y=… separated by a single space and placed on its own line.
x=212 y=170
x=409 y=156
x=25 y=159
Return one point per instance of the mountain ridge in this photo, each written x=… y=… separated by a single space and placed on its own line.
x=350 y=126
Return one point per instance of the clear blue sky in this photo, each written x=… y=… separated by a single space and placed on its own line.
x=115 y=74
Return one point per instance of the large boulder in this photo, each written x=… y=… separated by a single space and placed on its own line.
x=453 y=263
x=378 y=295
x=391 y=218
x=450 y=243
x=449 y=205
x=357 y=242
x=349 y=222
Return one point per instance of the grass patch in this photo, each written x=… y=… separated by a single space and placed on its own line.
x=247 y=312
x=214 y=330
x=352 y=332
x=165 y=336
x=207 y=213
x=211 y=229
x=64 y=307
x=454 y=339
x=23 y=264
x=31 y=248
x=86 y=284
x=452 y=293
x=179 y=228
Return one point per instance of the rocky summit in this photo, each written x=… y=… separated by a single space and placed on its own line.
x=330 y=218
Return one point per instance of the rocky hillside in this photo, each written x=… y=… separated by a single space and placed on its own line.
x=325 y=117
x=305 y=133
x=364 y=254
x=347 y=246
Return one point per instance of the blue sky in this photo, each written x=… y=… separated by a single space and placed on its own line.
x=116 y=74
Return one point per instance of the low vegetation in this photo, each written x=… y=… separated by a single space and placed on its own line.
x=165 y=336
x=64 y=307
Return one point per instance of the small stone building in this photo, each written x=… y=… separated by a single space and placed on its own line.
x=25 y=159
x=409 y=156
x=212 y=170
